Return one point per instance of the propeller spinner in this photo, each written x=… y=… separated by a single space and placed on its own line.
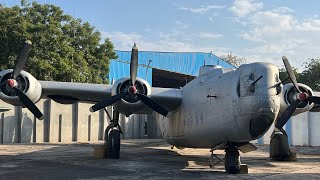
x=132 y=90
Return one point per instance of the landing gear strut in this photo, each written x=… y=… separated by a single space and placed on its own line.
x=232 y=161
x=279 y=147
x=112 y=137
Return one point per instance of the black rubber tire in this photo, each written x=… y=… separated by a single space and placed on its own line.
x=279 y=147
x=232 y=160
x=106 y=135
x=113 y=144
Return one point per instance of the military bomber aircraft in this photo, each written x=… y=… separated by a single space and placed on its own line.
x=221 y=108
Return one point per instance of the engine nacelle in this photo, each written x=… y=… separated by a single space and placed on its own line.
x=129 y=105
x=289 y=96
x=25 y=82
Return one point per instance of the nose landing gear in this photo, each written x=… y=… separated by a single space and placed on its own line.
x=231 y=160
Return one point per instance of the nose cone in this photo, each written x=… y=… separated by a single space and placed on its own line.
x=132 y=90
x=10 y=83
x=302 y=96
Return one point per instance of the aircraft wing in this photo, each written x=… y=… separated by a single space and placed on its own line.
x=83 y=92
x=128 y=95
x=68 y=92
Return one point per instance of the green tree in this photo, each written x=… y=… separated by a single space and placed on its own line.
x=284 y=75
x=64 y=48
x=311 y=75
x=233 y=60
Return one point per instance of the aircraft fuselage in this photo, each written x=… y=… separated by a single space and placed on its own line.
x=222 y=106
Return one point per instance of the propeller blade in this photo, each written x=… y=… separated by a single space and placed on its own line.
x=22 y=59
x=314 y=99
x=282 y=120
x=134 y=64
x=28 y=103
x=152 y=104
x=106 y=102
x=290 y=73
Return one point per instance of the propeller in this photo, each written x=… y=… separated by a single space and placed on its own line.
x=22 y=59
x=300 y=96
x=152 y=104
x=290 y=73
x=134 y=64
x=106 y=102
x=13 y=84
x=132 y=90
x=28 y=103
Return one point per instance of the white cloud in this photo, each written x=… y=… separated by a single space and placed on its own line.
x=201 y=9
x=283 y=10
x=123 y=39
x=274 y=20
x=276 y=33
x=242 y=8
x=210 y=35
x=166 y=43
x=309 y=25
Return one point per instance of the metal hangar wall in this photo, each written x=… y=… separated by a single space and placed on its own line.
x=184 y=64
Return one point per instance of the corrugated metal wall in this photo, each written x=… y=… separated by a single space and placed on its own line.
x=181 y=62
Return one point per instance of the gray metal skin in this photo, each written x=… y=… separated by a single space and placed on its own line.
x=218 y=106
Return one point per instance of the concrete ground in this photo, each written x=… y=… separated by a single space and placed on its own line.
x=145 y=159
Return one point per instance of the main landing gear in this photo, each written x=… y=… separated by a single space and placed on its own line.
x=231 y=160
x=112 y=137
x=279 y=147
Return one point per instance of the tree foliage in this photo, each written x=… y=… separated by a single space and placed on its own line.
x=64 y=48
x=283 y=75
x=234 y=60
x=311 y=75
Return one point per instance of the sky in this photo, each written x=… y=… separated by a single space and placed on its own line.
x=259 y=31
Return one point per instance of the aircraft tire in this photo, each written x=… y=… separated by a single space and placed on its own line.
x=232 y=160
x=113 y=144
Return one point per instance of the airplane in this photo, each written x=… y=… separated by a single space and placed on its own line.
x=219 y=109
